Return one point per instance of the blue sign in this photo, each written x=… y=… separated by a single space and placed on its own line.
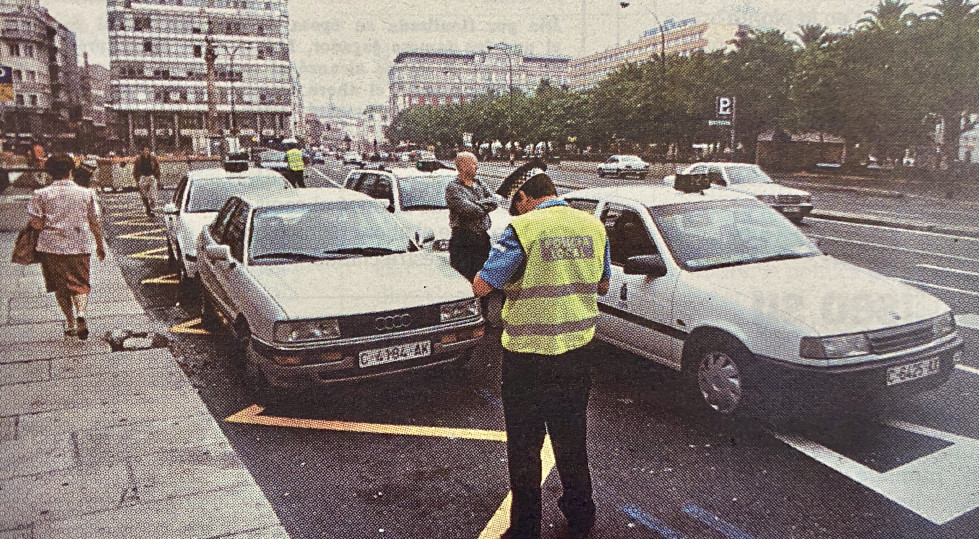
x=6 y=75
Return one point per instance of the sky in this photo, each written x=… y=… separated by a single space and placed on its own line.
x=343 y=49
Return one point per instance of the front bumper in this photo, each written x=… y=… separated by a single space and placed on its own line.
x=793 y=211
x=448 y=342
x=849 y=384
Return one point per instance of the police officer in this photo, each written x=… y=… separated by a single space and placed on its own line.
x=296 y=163
x=551 y=262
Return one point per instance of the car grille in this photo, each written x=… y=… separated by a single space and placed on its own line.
x=790 y=199
x=365 y=325
x=901 y=338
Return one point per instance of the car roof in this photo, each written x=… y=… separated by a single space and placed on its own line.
x=310 y=195
x=403 y=171
x=218 y=173
x=656 y=195
x=621 y=155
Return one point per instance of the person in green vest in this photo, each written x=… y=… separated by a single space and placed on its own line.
x=552 y=262
x=296 y=163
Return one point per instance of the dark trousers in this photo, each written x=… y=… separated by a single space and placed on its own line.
x=547 y=394
x=296 y=177
x=468 y=251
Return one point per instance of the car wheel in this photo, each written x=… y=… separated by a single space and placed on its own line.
x=210 y=320
x=258 y=385
x=171 y=257
x=716 y=375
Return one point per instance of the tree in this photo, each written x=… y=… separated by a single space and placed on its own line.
x=889 y=16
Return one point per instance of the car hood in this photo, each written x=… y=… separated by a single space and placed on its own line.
x=438 y=222
x=361 y=285
x=191 y=226
x=757 y=189
x=821 y=295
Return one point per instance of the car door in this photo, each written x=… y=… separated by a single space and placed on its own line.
x=228 y=281
x=171 y=220
x=637 y=312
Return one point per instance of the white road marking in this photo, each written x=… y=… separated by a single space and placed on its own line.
x=939 y=487
x=968 y=369
x=950 y=270
x=894 y=213
x=939 y=287
x=969 y=320
x=894 y=247
x=329 y=179
x=892 y=229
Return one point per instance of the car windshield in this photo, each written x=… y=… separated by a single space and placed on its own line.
x=423 y=192
x=747 y=175
x=630 y=158
x=210 y=195
x=708 y=235
x=324 y=231
x=271 y=155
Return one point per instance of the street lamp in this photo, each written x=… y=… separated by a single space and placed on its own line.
x=507 y=49
x=231 y=81
x=662 y=38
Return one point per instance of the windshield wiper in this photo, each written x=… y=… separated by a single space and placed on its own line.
x=291 y=256
x=782 y=256
x=365 y=251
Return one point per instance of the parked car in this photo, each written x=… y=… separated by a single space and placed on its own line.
x=750 y=179
x=270 y=159
x=196 y=200
x=417 y=199
x=721 y=288
x=352 y=158
x=622 y=165
x=323 y=285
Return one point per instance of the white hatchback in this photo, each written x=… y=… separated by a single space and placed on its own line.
x=720 y=287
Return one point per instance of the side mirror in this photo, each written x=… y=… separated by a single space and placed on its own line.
x=170 y=208
x=649 y=265
x=424 y=236
x=218 y=252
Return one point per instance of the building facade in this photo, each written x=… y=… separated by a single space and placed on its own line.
x=683 y=38
x=165 y=55
x=451 y=77
x=42 y=55
x=374 y=120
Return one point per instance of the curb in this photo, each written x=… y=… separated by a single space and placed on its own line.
x=862 y=219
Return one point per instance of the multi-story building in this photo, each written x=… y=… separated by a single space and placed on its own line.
x=42 y=55
x=452 y=77
x=93 y=127
x=374 y=120
x=164 y=55
x=684 y=38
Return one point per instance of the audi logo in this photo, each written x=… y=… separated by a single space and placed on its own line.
x=387 y=323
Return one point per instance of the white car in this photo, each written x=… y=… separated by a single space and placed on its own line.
x=352 y=158
x=752 y=180
x=720 y=287
x=621 y=165
x=196 y=200
x=323 y=285
x=417 y=199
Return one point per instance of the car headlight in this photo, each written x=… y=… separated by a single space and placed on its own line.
x=768 y=199
x=943 y=325
x=440 y=245
x=841 y=346
x=307 y=330
x=458 y=310
x=807 y=199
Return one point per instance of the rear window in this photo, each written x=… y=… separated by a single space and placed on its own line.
x=210 y=195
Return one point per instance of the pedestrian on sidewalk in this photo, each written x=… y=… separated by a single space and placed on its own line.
x=146 y=171
x=69 y=219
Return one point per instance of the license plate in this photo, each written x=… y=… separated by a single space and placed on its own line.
x=790 y=209
x=913 y=371
x=401 y=352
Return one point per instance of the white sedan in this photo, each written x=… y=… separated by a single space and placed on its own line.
x=323 y=285
x=720 y=287
x=752 y=180
x=621 y=165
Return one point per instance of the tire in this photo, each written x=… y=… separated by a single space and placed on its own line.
x=715 y=375
x=209 y=315
x=258 y=385
x=171 y=257
x=642 y=177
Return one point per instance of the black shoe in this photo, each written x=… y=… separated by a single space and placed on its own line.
x=580 y=528
x=580 y=519
x=82 y=328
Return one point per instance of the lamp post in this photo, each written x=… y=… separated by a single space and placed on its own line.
x=507 y=50
x=231 y=81
x=662 y=38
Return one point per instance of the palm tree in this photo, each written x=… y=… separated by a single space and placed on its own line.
x=888 y=16
x=813 y=36
x=953 y=10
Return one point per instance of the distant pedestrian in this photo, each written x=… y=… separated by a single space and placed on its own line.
x=295 y=163
x=470 y=204
x=552 y=262
x=69 y=219
x=146 y=172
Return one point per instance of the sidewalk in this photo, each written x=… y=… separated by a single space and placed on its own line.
x=102 y=444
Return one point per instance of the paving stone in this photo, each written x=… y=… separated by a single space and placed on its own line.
x=64 y=348
x=97 y=416
x=276 y=532
x=26 y=533
x=54 y=331
x=186 y=471
x=213 y=514
x=128 y=361
x=64 y=494
x=27 y=371
x=29 y=456
x=8 y=428
x=122 y=442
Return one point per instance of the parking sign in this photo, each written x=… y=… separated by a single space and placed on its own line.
x=725 y=106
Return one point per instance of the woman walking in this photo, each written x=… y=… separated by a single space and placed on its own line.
x=69 y=219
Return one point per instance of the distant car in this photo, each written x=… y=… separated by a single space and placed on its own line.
x=352 y=158
x=196 y=200
x=718 y=286
x=271 y=159
x=424 y=155
x=623 y=165
x=318 y=159
x=417 y=199
x=750 y=179
x=322 y=285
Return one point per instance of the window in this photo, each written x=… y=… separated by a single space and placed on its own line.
x=627 y=235
x=18 y=75
x=143 y=23
x=221 y=221
x=235 y=235
x=33 y=101
x=29 y=50
x=197 y=51
x=31 y=76
x=14 y=49
x=587 y=206
x=147 y=46
x=20 y=99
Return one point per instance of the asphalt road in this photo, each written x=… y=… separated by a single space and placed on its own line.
x=421 y=456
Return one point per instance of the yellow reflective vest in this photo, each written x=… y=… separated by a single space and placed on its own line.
x=552 y=307
x=295 y=159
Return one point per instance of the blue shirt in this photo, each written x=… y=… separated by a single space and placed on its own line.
x=507 y=255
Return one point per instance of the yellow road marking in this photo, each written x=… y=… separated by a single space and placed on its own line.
x=127 y=213
x=145 y=221
x=162 y=279
x=501 y=518
x=142 y=235
x=188 y=327
x=150 y=254
x=967 y=368
x=251 y=415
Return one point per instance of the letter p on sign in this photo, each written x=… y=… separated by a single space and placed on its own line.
x=725 y=106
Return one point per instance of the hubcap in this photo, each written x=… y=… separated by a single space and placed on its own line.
x=720 y=382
